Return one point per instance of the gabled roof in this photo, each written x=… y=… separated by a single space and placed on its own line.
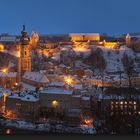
x=36 y=76
x=8 y=74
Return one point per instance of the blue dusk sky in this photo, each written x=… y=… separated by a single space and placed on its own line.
x=113 y=17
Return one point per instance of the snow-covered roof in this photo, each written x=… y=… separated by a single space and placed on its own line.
x=78 y=86
x=8 y=74
x=76 y=96
x=62 y=65
x=8 y=38
x=87 y=34
x=28 y=86
x=4 y=90
x=58 y=84
x=31 y=98
x=54 y=90
x=36 y=76
x=24 y=97
x=85 y=98
x=15 y=96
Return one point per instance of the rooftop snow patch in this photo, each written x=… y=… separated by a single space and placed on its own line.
x=53 y=90
x=29 y=87
x=36 y=76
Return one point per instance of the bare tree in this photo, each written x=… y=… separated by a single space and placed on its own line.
x=129 y=68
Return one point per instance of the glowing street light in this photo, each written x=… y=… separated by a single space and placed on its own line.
x=68 y=80
x=55 y=103
x=8 y=131
x=88 y=121
x=16 y=84
x=4 y=70
x=4 y=100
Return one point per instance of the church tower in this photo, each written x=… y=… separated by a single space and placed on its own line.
x=25 y=52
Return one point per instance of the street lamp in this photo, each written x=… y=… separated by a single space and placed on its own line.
x=4 y=70
x=55 y=103
x=68 y=80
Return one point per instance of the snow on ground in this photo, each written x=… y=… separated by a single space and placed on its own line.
x=47 y=127
x=88 y=129
x=114 y=57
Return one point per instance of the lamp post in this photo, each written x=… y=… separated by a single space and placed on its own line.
x=4 y=100
x=68 y=80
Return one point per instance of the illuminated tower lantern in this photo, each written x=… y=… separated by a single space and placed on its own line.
x=25 y=52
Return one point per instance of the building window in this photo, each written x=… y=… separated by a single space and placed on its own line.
x=112 y=107
x=25 y=53
x=121 y=102
x=134 y=102
x=134 y=107
x=18 y=104
x=121 y=107
x=125 y=106
x=130 y=102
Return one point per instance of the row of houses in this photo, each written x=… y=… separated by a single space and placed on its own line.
x=117 y=101
x=51 y=103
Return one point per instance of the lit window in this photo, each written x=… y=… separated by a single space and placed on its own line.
x=18 y=104
x=116 y=102
x=139 y=112
x=125 y=102
x=121 y=102
x=134 y=107
x=129 y=113
x=134 y=102
x=112 y=102
x=130 y=102
x=112 y=107
x=121 y=107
